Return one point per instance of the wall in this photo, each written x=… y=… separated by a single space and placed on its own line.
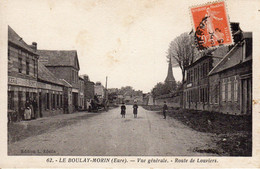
x=171 y=102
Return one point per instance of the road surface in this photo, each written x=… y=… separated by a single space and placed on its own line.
x=107 y=134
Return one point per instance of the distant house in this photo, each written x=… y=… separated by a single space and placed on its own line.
x=81 y=95
x=64 y=65
x=99 y=90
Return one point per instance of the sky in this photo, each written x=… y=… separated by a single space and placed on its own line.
x=126 y=40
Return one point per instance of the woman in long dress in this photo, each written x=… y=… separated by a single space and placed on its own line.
x=27 y=111
x=123 y=108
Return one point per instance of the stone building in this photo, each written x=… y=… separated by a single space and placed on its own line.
x=64 y=65
x=88 y=90
x=22 y=73
x=81 y=98
x=221 y=80
x=231 y=80
x=50 y=92
x=99 y=90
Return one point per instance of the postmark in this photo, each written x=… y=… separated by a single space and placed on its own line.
x=211 y=25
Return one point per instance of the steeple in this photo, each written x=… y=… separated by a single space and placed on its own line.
x=170 y=77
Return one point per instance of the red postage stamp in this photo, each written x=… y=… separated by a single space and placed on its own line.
x=211 y=25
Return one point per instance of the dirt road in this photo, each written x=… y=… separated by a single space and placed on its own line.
x=108 y=134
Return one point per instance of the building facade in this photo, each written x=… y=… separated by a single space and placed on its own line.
x=231 y=80
x=99 y=90
x=81 y=98
x=64 y=65
x=50 y=92
x=222 y=80
x=22 y=74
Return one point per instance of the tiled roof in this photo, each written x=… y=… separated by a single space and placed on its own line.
x=229 y=60
x=14 y=38
x=45 y=75
x=58 y=57
x=233 y=57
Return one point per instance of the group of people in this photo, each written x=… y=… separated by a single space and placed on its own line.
x=30 y=109
x=135 y=107
x=123 y=110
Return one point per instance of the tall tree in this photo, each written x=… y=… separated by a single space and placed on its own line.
x=182 y=51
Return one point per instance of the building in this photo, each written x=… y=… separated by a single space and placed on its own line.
x=50 y=92
x=89 y=92
x=64 y=65
x=196 y=88
x=99 y=91
x=221 y=81
x=231 y=80
x=22 y=74
x=81 y=98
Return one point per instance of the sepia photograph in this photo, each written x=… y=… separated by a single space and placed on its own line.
x=149 y=78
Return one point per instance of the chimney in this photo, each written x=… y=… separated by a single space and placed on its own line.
x=34 y=46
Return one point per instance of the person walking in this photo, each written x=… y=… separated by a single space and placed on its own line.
x=165 y=108
x=135 y=107
x=123 y=108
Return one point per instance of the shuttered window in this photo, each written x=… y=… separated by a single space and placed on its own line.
x=235 y=89
x=223 y=90
x=229 y=90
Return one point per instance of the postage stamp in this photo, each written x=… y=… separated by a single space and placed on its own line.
x=211 y=25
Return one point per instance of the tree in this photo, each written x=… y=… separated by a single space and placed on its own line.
x=182 y=51
x=161 y=89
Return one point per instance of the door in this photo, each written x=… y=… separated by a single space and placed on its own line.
x=40 y=104
x=20 y=110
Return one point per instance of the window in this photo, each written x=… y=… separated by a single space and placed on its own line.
x=10 y=100
x=58 y=101
x=72 y=75
x=195 y=74
x=8 y=53
x=27 y=67
x=216 y=93
x=191 y=76
x=248 y=47
x=53 y=101
x=27 y=96
x=235 y=89
x=61 y=103
x=229 y=90
x=47 y=101
x=34 y=68
x=20 y=66
x=223 y=90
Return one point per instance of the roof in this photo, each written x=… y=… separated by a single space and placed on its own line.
x=170 y=77
x=65 y=83
x=228 y=61
x=14 y=38
x=45 y=75
x=232 y=58
x=59 y=58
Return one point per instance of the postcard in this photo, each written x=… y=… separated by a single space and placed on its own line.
x=126 y=84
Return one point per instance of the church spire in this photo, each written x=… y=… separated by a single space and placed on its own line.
x=170 y=77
